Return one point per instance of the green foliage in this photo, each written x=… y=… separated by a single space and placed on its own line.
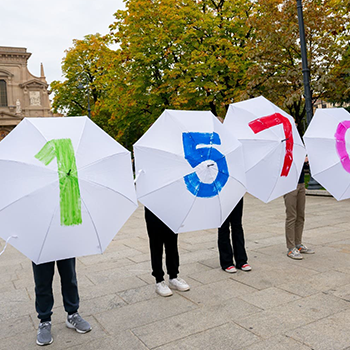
x=338 y=85
x=276 y=51
x=176 y=55
x=82 y=68
x=204 y=55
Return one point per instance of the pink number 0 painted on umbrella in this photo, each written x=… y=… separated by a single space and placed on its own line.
x=341 y=145
x=269 y=121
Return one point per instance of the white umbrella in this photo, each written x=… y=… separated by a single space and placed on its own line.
x=190 y=170
x=66 y=188
x=328 y=143
x=274 y=153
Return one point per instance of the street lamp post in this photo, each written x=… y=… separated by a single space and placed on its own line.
x=305 y=67
x=313 y=185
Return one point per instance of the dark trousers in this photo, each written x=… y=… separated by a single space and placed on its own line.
x=43 y=277
x=161 y=235
x=236 y=249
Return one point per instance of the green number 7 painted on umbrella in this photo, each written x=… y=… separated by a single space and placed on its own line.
x=70 y=203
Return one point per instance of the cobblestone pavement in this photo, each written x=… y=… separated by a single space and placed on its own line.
x=281 y=304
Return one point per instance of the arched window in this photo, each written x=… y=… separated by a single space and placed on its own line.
x=3 y=93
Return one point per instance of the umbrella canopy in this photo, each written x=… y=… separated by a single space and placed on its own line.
x=327 y=143
x=66 y=188
x=190 y=170
x=274 y=153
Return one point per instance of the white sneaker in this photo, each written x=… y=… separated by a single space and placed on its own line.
x=231 y=269
x=163 y=290
x=246 y=267
x=179 y=284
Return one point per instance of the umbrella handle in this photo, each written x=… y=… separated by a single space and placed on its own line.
x=138 y=175
x=13 y=236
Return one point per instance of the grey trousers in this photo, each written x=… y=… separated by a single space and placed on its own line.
x=295 y=215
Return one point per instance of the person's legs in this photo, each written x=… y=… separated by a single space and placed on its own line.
x=290 y=201
x=69 y=289
x=69 y=285
x=43 y=277
x=172 y=260
x=154 y=230
x=224 y=244
x=300 y=210
x=238 y=243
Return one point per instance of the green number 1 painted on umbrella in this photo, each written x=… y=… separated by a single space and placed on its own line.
x=70 y=203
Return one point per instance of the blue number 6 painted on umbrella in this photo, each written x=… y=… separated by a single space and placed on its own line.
x=70 y=203
x=196 y=155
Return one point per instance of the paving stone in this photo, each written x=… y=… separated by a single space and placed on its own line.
x=263 y=276
x=226 y=336
x=332 y=332
x=102 y=303
x=120 y=341
x=268 y=298
x=14 y=304
x=197 y=256
x=121 y=281
x=135 y=295
x=15 y=326
x=289 y=316
x=143 y=313
x=210 y=276
x=281 y=342
x=218 y=292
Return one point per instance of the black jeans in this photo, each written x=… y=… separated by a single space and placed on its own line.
x=161 y=235
x=237 y=249
x=43 y=277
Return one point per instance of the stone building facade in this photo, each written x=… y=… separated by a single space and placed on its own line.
x=21 y=93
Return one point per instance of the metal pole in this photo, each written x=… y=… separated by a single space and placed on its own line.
x=305 y=67
x=89 y=110
x=313 y=184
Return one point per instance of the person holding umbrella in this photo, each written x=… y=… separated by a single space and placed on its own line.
x=160 y=235
x=43 y=277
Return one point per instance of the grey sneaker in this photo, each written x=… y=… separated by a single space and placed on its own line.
x=44 y=336
x=304 y=249
x=179 y=284
x=294 y=254
x=76 y=322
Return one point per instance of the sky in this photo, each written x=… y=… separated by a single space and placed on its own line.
x=47 y=28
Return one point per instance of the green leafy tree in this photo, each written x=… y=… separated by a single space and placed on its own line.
x=83 y=66
x=188 y=54
x=277 y=72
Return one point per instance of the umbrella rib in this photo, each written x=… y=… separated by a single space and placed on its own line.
x=266 y=155
x=159 y=188
x=100 y=160
x=157 y=149
x=333 y=166
x=29 y=164
x=81 y=136
x=36 y=128
x=47 y=233
x=28 y=194
x=93 y=223
x=188 y=212
x=344 y=191
x=106 y=187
